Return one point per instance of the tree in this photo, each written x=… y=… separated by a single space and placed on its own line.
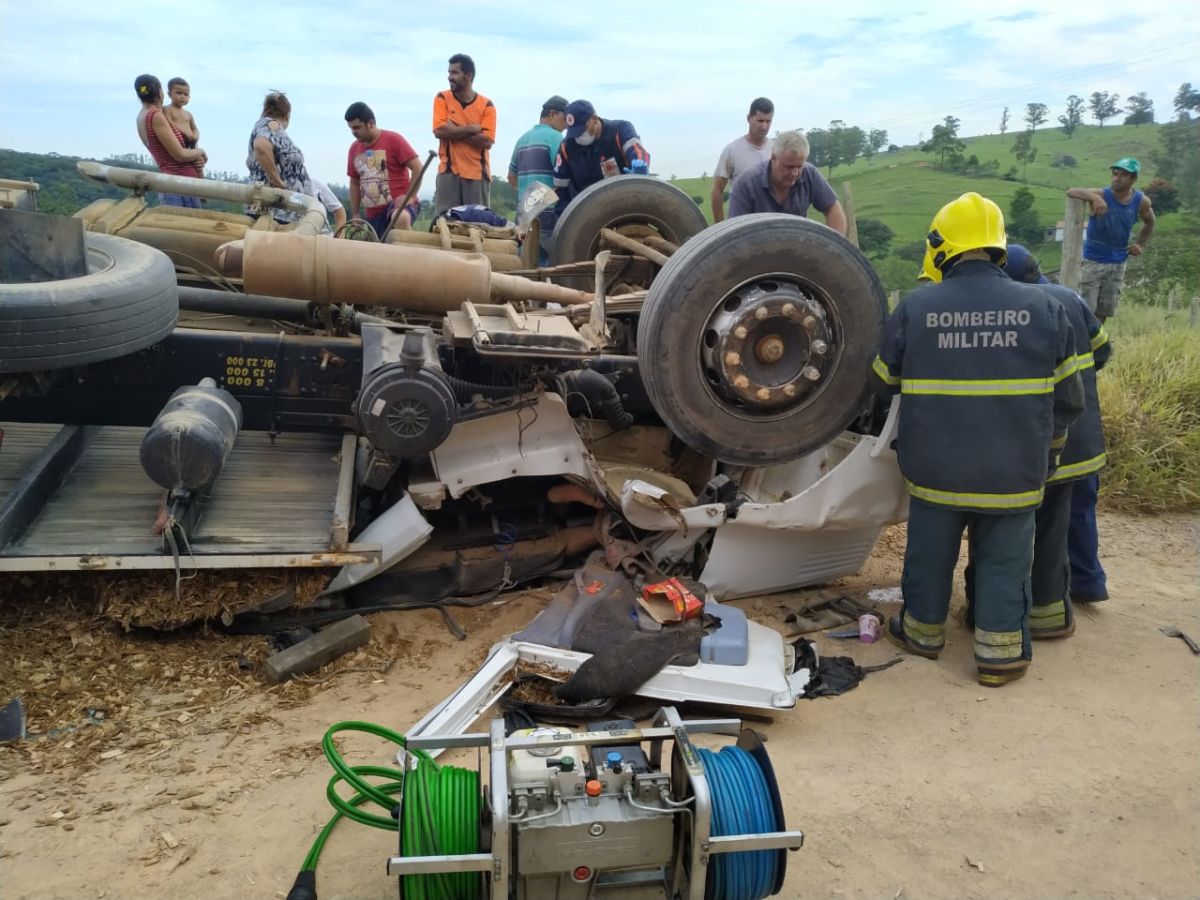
x=874 y=238
x=1024 y=150
x=820 y=148
x=1163 y=194
x=1035 y=114
x=1073 y=117
x=1186 y=101
x=1021 y=222
x=943 y=140
x=1103 y=105
x=1003 y=123
x=876 y=140
x=1179 y=159
x=1141 y=110
x=847 y=143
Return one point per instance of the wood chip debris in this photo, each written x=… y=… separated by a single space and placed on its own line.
x=98 y=687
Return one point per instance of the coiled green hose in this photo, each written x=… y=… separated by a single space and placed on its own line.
x=440 y=814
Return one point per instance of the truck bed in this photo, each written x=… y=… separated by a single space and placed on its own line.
x=275 y=504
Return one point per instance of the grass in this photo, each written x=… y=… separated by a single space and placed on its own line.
x=1150 y=402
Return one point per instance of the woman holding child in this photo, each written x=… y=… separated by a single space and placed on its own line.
x=165 y=142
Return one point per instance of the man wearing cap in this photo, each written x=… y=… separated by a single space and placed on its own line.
x=1106 y=244
x=533 y=156
x=594 y=148
x=787 y=183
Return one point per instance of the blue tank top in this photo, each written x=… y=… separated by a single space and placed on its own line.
x=1107 y=238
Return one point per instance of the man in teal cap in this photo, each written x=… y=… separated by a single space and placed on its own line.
x=1106 y=245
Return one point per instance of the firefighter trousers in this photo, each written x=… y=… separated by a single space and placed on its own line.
x=1051 y=615
x=1001 y=557
x=1088 y=580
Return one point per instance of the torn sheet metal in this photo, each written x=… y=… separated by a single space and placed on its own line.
x=536 y=440
x=811 y=520
x=400 y=530
x=656 y=508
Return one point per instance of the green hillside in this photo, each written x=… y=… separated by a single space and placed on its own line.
x=904 y=189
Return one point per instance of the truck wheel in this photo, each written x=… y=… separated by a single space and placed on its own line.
x=126 y=302
x=634 y=203
x=756 y=339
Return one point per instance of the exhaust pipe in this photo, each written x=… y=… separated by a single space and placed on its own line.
x=312 y=218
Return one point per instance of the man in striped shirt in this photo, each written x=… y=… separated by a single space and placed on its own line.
x=533 y=156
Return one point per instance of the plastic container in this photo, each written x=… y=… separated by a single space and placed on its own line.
x=868 y=628
x=729 y=645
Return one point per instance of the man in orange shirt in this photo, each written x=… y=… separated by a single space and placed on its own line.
x=464 y=123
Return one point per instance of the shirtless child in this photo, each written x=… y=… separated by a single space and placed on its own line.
x=180 y=93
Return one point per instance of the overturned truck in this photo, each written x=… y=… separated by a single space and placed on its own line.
x=217 y=394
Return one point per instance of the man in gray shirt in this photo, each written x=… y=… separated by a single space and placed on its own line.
x=744 y=153
x=787 y=183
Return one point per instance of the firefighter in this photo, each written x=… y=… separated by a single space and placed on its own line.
x=1082 y=456
x=986 y=370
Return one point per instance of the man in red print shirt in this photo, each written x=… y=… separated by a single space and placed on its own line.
x=381 y=165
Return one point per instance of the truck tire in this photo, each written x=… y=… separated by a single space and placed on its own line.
x=757 y=337
x=616 y=202
x=126 y=302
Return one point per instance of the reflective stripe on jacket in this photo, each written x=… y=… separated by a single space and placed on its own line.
x=987 y=368
x=577 y=167
x=1083 y=452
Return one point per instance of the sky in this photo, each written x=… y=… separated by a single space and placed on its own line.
x=683 y=73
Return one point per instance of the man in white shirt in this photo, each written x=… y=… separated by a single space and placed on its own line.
x=746 y=152
x=333 y=206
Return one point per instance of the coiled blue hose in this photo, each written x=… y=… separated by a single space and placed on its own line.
x=741 y=804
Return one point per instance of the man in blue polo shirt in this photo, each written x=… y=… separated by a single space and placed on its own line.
x=787 y=183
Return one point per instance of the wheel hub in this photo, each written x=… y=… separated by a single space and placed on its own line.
x=767 y=346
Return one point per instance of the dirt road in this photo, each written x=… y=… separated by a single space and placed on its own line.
x=1082 y=780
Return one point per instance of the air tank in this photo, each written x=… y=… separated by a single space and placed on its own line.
x=186 y=447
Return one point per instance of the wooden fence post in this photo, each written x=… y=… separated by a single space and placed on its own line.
x=848 y=207
x=1072 y=248
x=1194 y=315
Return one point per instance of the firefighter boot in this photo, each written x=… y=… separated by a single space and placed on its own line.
x=1053 y=620
x=898 y=634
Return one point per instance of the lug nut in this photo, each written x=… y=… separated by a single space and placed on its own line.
x=812 y=373
x=763 y=394
x=733 y=358
x=761 y=313
x=789 y=390
x=740 y=332
x=741 y=382
x=819 y=347
x=810 y=323
x=789 y=309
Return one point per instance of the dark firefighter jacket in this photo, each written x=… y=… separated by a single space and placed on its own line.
x=987 y=371
x=1083 y=453
x=577 y=167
